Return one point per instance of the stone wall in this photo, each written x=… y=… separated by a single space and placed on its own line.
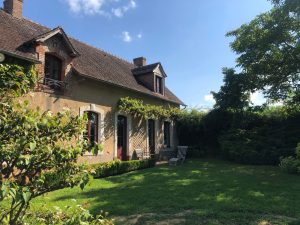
x=84 y=94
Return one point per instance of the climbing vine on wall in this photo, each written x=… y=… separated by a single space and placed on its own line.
x=137 y=108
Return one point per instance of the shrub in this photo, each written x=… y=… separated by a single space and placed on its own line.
x=71 y=215
x=119 y=167
x=255 y=136
x=254 y=146
x=197 y=151
x=290 y=165
x=298 y=151
x=38 y=151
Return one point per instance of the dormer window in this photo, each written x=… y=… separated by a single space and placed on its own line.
x=150 y=76
x=53 y=71
x=159 y=85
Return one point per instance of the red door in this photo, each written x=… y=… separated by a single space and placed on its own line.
x=122 y=138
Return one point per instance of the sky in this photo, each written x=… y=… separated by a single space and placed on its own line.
x=186 y=36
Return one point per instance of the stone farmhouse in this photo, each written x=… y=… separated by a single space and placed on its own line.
x=85 y=79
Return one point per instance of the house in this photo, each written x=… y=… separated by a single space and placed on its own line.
x=85 y=79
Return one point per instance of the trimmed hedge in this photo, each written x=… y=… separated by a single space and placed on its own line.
x=257 y=136
x=112 y=168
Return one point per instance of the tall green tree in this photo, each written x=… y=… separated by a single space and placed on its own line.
x=233 y=94
x=268 y=51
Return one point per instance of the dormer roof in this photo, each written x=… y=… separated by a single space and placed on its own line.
x=151 y=68
x=57 y=31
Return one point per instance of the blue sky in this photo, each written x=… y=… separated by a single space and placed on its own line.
x=186 y=36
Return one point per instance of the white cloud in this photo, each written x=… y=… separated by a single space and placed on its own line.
x=101 y=7
x=257 y=98
x=140 y=35
x=120 y=11
x=126 y=36
x=209 y=98
x=89 y=7
x=117 y=12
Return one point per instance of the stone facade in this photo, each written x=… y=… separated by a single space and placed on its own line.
x=90 y=80
x=83 y=94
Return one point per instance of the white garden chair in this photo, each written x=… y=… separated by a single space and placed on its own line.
x=181 y=154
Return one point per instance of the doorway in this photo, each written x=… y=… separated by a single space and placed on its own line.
x=122 y=138
x=151 y=137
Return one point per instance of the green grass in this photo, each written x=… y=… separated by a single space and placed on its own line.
x=199 y=192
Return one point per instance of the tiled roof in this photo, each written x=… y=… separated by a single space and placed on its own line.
x=92 y=62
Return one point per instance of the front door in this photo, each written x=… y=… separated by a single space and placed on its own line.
x=151 y=137
x=122 y=138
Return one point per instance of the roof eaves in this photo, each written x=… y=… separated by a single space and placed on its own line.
x=127 y=88
x=14 y=54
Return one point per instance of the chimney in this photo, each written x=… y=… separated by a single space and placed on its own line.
x=14 y=7
x=139 y=62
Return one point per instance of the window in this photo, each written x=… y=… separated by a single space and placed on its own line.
x=92 y=127
x=53 y=70
x=167 y=135
x=158 y=85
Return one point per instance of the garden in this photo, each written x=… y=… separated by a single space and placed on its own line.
x=243 y=161
x=204 y=191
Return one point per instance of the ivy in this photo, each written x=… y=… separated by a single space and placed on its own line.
x=137 y=108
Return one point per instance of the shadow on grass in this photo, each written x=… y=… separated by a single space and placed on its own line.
x=198 y=192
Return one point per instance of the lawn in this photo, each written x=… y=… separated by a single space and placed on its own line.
x=198 y=192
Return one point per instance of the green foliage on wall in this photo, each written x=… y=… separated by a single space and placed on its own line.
x=137 y=108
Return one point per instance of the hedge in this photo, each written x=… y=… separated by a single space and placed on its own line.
x=257 y=136
x=112 y=168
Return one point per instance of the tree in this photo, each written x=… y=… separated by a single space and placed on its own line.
x=269 y=51
x=233 y=94
x=38 y=151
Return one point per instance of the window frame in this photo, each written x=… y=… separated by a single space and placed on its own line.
x=159 y=87
x=88 y=135
x=53 y=69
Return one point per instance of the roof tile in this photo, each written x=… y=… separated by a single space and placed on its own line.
x=92 y=62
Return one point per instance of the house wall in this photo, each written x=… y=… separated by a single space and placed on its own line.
x=85 y=94
x=147 y=80
x=82 y=94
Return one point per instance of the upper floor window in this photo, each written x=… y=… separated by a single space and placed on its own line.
x=92 y=127
x=167 y=134
x=159 y=85
x=53 y=71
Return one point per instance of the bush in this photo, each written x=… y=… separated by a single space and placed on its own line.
x=71 y=215
x=298 y=151
x=255 y=146
x=254 y=136
x=197 y=151
x=119 y=167
x=38 y=151
x=290 y=165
